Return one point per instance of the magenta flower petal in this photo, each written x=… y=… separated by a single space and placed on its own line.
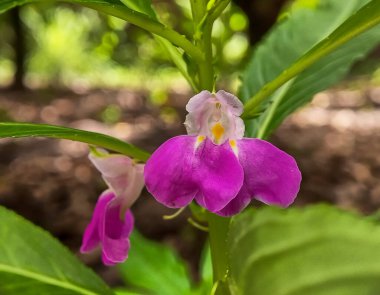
x=107 y=261
x=218 y=174
x=109 y=230
x=91 y=237
x=115 y=235
x=169 y=172
x=270 y=175
x=123 y=176
x=236 y=205
x=217 y=166
x=178 y=171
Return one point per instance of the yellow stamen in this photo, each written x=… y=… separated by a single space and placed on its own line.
x=218 y=131
x=197 y=225
x=176 y=214
x=234 y=146
x=200 y=139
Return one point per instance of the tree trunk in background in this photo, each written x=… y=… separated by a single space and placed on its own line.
x=19 y=48
x=262 y=15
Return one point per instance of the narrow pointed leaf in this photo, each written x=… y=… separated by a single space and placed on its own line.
x=15 y=130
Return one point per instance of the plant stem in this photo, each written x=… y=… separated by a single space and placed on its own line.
x=198 y=9
x=218 y=229
x=203 y=30
x=203 y=18
x=202 y=38
x=206 y=69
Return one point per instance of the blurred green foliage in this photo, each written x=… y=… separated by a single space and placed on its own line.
x=318 y=250
x=111 y=114
x=155 y=269
x=77 y=47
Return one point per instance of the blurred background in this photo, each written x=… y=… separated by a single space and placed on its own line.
x=71 y=66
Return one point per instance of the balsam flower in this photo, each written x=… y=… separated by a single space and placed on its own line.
x=216 y=166
x=112 y=221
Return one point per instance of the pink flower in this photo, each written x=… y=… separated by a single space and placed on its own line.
x=112 y=221
x=216 y=166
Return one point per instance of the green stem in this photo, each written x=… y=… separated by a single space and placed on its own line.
x=202 y=38
x=204 y=15
x=218 y=229
x=206 y=69
x=216 y=9
x=204 y=25
x=198 y=9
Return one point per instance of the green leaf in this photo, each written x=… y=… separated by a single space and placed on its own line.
x=16 y=130
x=143 y=6
x=155 y=268
x=8 y=4
x=206 y=283
x=127 y=292
x=206 y=264
x=302 y=46
x=32 y=262
x=318 y=250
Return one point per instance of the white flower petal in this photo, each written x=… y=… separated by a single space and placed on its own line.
x=122 y=175
x=196 y=102
x=234 y=104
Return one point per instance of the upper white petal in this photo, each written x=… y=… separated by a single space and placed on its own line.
x=191 y=124
x=239 y=128
x=196 y=102
x=234 y=104
x=123 y=176
x=111 y=165
x=215 y=116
